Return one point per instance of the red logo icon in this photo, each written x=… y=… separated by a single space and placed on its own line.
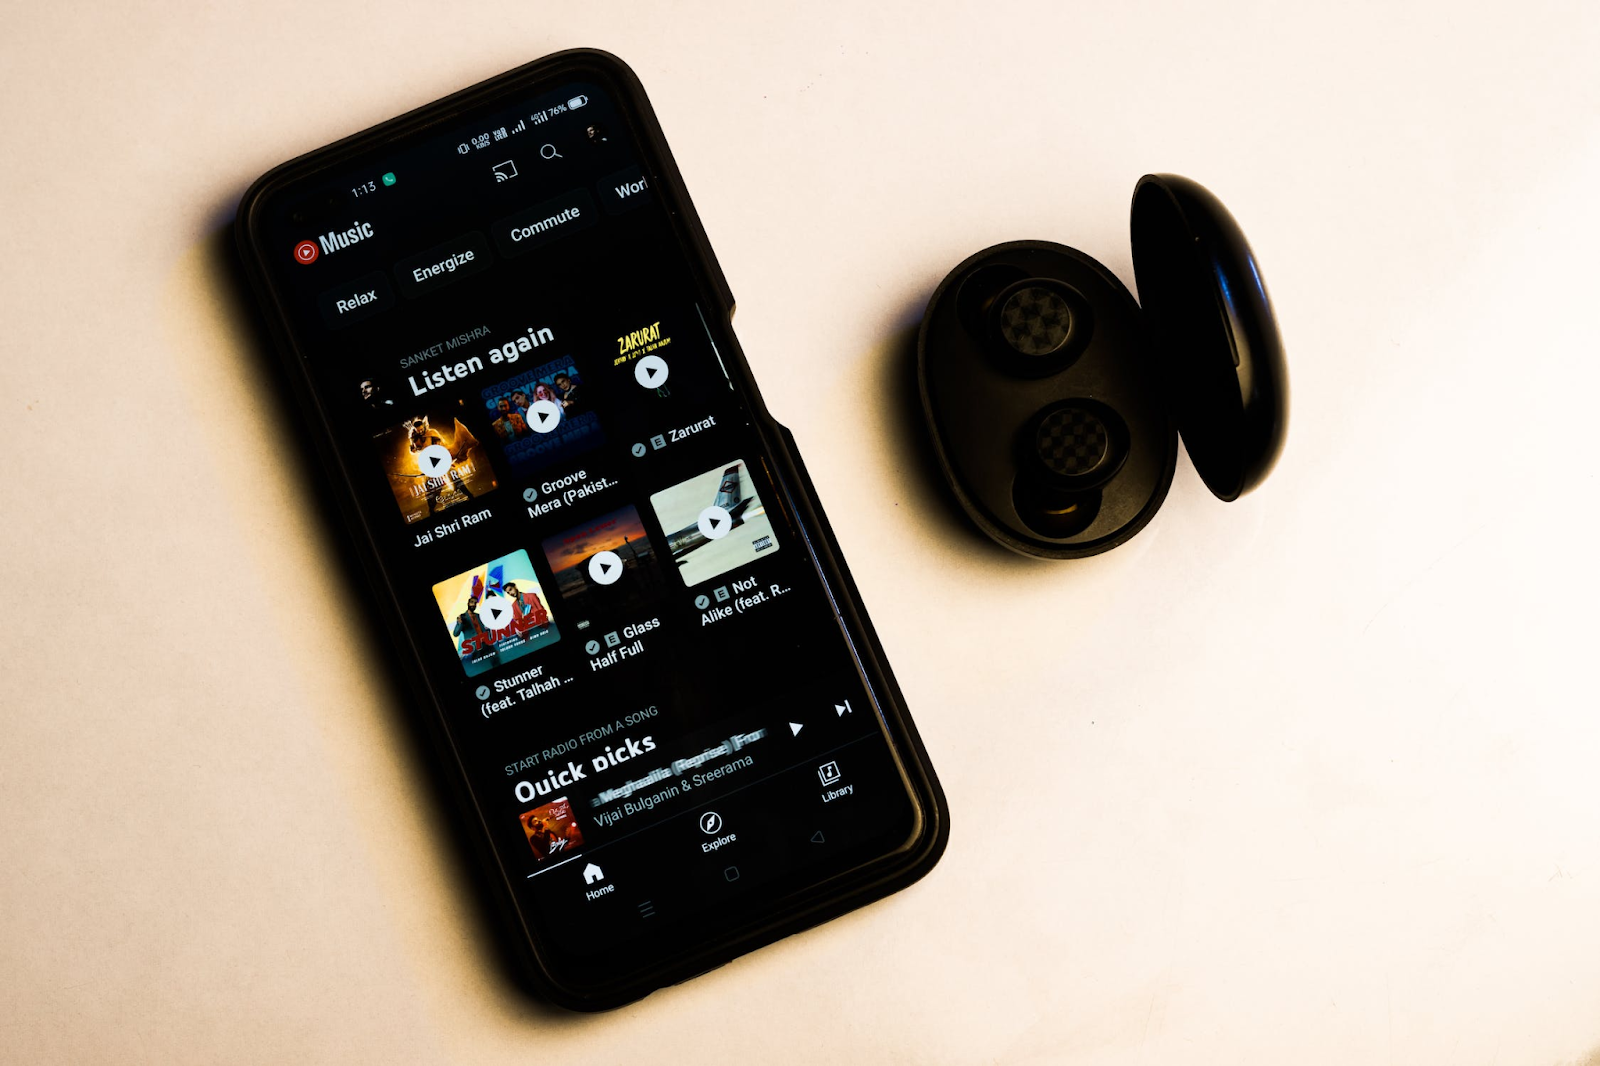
x=306 y=252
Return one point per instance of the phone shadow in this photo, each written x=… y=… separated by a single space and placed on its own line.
x=456 y=825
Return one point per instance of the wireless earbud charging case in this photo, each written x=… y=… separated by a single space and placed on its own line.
x=1054 y=401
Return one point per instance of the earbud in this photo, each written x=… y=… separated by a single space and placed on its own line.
x=1054 y=401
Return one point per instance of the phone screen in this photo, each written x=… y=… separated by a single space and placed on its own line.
x=529 y=386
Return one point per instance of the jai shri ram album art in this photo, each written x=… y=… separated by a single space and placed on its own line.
x=421 y=487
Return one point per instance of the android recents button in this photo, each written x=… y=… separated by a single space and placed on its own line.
x=543 y=223
x=624 y=190
x=453 y=260
x=354 y=300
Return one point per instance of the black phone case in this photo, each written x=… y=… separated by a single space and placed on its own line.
x=819 y=904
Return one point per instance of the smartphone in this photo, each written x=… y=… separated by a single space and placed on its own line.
x=602 y=561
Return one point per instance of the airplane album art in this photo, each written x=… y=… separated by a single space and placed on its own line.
x=714 y=522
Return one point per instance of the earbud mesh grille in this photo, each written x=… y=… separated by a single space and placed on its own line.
x=1035 y=320
x=1072 y=442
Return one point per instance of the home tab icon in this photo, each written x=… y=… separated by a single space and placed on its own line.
x=593 y=873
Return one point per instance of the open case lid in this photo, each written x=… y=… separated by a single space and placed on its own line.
x=1210 y=330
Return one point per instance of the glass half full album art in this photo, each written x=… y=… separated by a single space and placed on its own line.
x=605 y=566
x=496 y=613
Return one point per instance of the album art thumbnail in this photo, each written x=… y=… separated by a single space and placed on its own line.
x=552 y=829
x=715 y=522
x=422 y=484
x=644 y=342
x=508 y=583
x=556 y=388
x=589 y=586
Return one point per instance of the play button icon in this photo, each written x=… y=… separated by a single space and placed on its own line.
x=495 y=612
x=651 y=371
x=543 y=415
x=434 y=460
x=605 y=568
x=715 y=523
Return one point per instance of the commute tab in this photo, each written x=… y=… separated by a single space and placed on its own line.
x=349 y=303
x=438 y=267
x=542 y=223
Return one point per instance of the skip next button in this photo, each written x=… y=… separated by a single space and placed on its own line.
x=354 y=300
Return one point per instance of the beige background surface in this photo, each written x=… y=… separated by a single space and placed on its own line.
x=1310 y=778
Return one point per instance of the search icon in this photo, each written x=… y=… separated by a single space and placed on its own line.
x=549 y=152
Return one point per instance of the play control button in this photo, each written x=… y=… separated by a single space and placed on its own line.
x=651 y=371
x=434 y=460
x=605 y=568
x=495 y=612
x=543 y=415
x=715 y=523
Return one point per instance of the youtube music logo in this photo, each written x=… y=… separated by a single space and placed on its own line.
x=307 y=252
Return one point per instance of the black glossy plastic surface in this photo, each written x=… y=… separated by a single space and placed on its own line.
x=1054 y=401
x=807 y=905
x=1213 y=336
x=989 y=383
